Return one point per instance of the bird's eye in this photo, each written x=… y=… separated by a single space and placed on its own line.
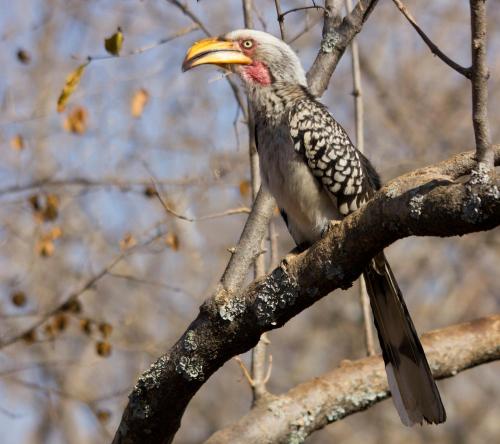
x=247 y=44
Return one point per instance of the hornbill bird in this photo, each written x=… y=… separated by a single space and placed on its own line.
x=317 y=175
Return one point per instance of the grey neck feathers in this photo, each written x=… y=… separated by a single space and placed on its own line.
x=272 y=103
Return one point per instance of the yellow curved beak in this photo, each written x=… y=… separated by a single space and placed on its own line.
x=215 y=52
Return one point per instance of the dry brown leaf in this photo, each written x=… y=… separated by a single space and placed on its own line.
x=55 y=233
x=60 y=322
x=245 y=188
x=86 y=326
x=103 y=415
x=172 y=241
x=72 y=82
x=72 y=306
x=103 y=348
x=138 y=102
x=51 y=210
x=45 y=247
x=76 y=121
x=23 y=56
x=150 y=191
x=29 y=337
x=128 y=241
x=105 y=329
x=18 y=298
x=17 y=142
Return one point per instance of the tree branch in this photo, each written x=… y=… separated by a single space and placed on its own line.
x=356 y=386
x=336 y=38
x=432 y=46
x=424 y=202
x=479 y=80
x=360 y=143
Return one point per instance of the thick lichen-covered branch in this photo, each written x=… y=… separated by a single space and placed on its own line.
x=425 y=202
x=356 y=385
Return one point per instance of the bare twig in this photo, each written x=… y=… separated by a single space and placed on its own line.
x=479 y=80
x=310 y=24
x=360 y=142
x=259 y=352
x=187 y=11
x=245 y=371
x=432 y=46
x=130 y=185
x=175 y=35
x=171 y=211
x=281 y=16
x=281 y=20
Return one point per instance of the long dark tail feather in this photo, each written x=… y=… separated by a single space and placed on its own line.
x=413 y=389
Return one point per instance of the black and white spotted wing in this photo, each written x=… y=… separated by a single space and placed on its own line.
x=332 y=157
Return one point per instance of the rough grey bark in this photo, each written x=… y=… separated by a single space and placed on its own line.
x=424 y=202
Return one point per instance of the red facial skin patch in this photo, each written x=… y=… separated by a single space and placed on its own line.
x=257 y=72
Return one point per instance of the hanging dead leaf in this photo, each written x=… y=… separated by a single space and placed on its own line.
x=103 y=348
x=86 y=326
x=49 y=331
x=51 y=210
x=138 y=102
x=29 y=337
x=103 y=415
x=72 y=82
x=72 y=306
x=150 y=191
x=105 y=329
x=76 y=121
x=172 y=241
x=17 y=142
x=34 y=201
x=18 y=298
x=113 y=44
x=60 y=322
x=23 y=56
x=45 y=247
x=128 y=241
x=55 y=233
x=245 y=188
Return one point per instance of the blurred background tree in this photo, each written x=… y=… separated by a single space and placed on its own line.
x=97 y=279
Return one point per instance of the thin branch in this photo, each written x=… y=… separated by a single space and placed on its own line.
x=432 y=46
x=357 y=385
x=479 y=80
x=168 y=209
x=424 y=202
x=307 y=27
x=245 y=371
x=259 y=352
x=281 y=20
x=360 y=142
x=175 y=35
x=185 y=9
x=106 y=182
x=281 y=16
